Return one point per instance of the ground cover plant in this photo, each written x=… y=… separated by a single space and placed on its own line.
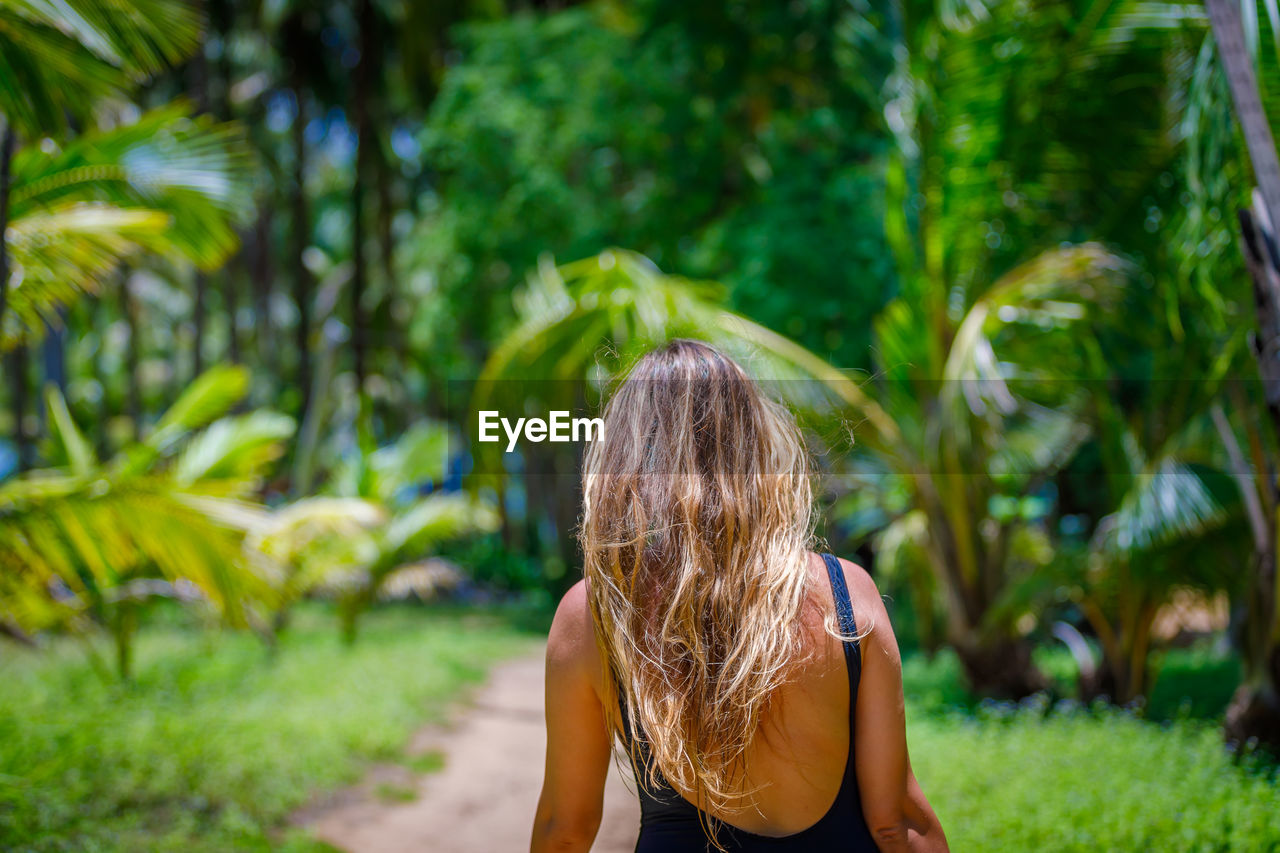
x=217 y=739
x=1058 y=775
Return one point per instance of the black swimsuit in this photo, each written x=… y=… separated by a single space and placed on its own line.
x=671 y=824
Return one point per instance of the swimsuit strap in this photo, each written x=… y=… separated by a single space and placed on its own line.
x=848 y=627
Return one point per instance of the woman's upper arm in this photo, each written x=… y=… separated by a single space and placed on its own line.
x=880 y=725
x=578 y=744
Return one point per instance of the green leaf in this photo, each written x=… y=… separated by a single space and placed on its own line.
x=1172 y=501
x=79 y=454
x=591 y=319
x=206 y=399
x=428 y=522
x=419 y=457
x=69 y=250
x=234 y=449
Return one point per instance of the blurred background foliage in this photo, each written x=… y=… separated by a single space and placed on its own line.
x=264 y=259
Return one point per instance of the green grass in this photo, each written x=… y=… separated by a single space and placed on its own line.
x=389 y=793
x=217 y=741
x=428 y=762
x=1062 y=777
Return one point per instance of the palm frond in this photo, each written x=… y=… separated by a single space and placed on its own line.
x=1035 y=444
x=194 y=170
x=72 y=546
x=206 y=399
x=1052 y=292
x=430 y=521
x=58 y=57
x=63 y=252
x=167 y=184
x=295 y=526
x=73 y=447
x=47 y=75
x=233 y=452
x=1172 y=501
x=145 y=35
x=592 y=318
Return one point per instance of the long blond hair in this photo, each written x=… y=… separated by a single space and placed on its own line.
x=696 y=526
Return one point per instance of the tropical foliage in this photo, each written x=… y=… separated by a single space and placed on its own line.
x=166 y=184
x=166 y=517
x=373 y=522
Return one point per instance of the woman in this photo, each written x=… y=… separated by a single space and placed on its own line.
x=756 y=686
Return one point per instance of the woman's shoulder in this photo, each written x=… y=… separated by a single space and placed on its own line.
x=862 y=588
x=571 y=642
x=868 y=606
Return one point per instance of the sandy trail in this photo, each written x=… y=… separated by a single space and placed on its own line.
x=483 y=799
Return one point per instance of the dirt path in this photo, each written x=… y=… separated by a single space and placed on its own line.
x=484 y=797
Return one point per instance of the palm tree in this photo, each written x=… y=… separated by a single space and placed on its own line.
x=973 y=446
x=90 y=540
x=567 y=314
x=1254 y=712
x=1173 y=526
x=991 y=107
x=1174 y=518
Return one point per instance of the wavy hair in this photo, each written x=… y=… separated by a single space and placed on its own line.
x=697 y=519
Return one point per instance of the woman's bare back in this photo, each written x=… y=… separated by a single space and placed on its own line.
x=796 y=763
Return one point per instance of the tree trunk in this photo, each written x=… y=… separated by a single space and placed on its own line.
x=995 y=663
x=302 y=284
x=15 y=359
x=8 y=141
x=222 y=21
x=260 y=271
x=125 y=625
x=363 y=92
x=349 y=610
x=308 y=436
x=386 y=213
x=390 y=333
x=16 y=367
x=359 y=326
x=198 y=320
x=220 y=18
x=231 y=304
x=133 y=357
x=198 y=84
x=1254 y=712
x=999 y=667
